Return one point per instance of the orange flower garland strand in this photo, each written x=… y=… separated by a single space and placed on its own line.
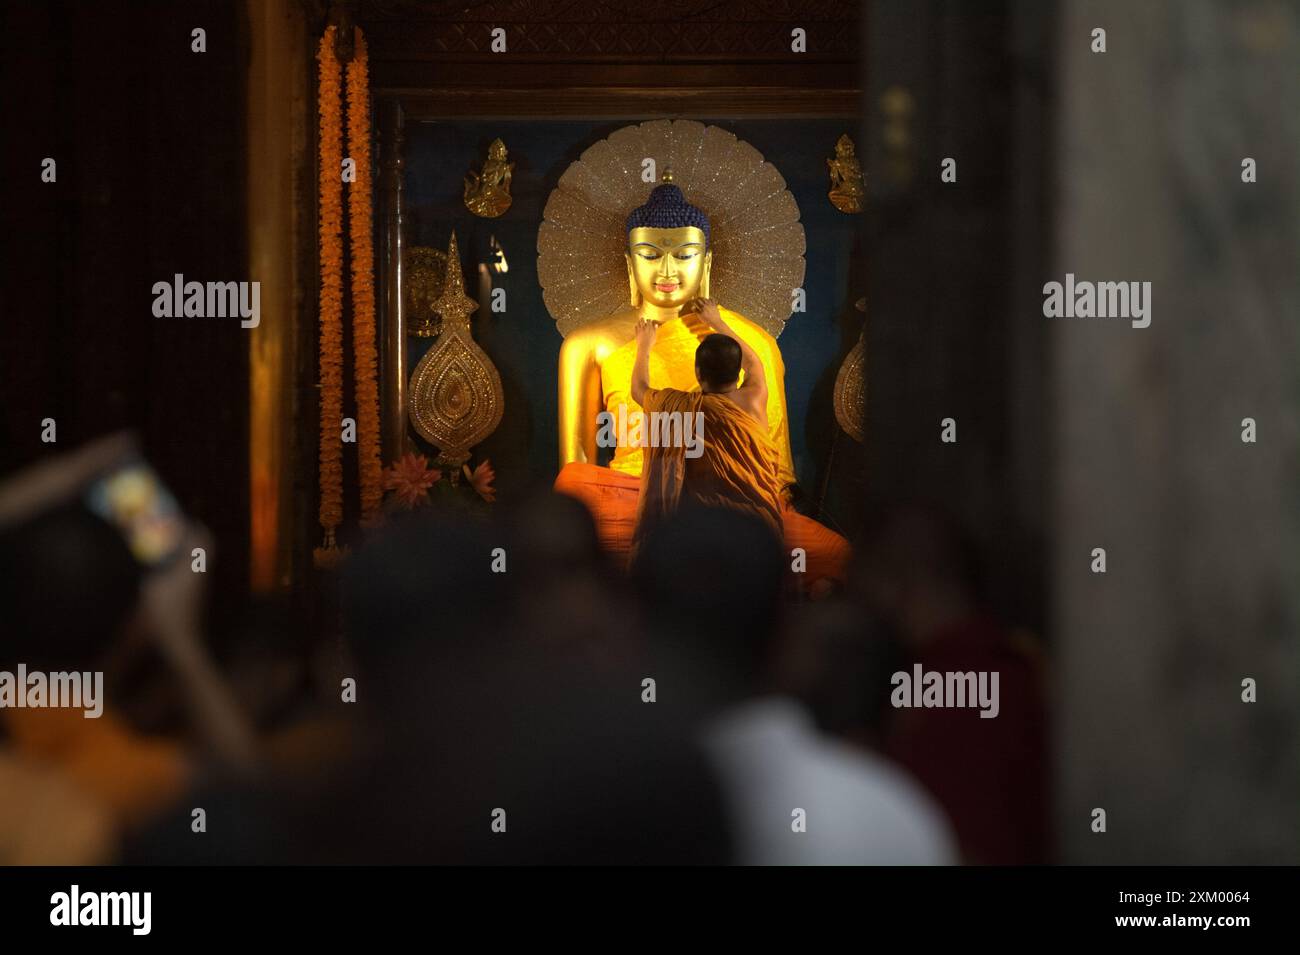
x=365 y=356
x=330 y=108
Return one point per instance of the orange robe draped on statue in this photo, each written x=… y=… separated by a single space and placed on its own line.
x=738 y=469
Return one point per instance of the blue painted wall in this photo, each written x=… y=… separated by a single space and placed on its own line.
x=523 y=341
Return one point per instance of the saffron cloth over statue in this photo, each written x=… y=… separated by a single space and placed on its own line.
x=668 y=252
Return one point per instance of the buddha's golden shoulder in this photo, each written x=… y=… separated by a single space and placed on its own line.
x=758 y=337
x=736 y=319
x=597 y=339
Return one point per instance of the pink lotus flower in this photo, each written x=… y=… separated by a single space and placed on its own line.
x=409 y=479
x=481 y=478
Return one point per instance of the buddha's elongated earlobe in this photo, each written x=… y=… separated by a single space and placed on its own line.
x=635 y=293
x=704 y=279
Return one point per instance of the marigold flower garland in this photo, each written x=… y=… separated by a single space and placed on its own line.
x=410 y=478
x=329 y=105
x=365 y=356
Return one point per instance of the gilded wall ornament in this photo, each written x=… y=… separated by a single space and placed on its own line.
x=423 y=272
x=487 y=194
x=848 y=188
x=456 y=399
x=757 y=239
x=850 y=396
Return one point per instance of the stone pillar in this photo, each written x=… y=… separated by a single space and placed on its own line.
x=1201 y=530
x=281 y=215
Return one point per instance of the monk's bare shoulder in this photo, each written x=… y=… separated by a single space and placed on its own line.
x=748 y=402
x=757 y=409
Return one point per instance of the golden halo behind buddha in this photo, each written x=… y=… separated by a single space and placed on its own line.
x=757 y=240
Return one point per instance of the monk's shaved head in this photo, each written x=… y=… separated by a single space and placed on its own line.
x=717 y=362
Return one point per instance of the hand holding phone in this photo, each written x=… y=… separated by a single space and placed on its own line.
x=130 y=496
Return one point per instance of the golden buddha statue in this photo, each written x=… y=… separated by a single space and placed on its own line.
x=669 y=259
x=666 y=268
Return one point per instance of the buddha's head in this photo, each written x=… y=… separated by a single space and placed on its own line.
x=668 y=254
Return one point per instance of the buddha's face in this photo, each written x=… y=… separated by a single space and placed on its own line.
x=668 y=266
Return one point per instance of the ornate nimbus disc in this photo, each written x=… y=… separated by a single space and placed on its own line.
x=758 y=241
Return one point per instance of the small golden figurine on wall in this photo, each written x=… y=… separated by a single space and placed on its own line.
x=848 y=188
x=487 y=194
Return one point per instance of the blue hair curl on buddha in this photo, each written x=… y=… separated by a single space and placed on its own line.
x=667 y=208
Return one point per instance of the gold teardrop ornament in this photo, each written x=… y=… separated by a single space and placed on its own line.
x=456 y=398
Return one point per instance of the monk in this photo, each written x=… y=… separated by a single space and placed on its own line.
x=736 y=465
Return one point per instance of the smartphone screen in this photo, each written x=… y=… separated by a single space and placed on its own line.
x=133 y=499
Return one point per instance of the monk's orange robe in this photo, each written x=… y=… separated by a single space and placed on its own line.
x=730 y=477
x=736 y=469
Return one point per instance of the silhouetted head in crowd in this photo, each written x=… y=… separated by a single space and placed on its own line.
x=839 y=662
x=553 y=535
x=565 y=594
x=68 y=587
x=919 y=569
x=418 y=592
x=710 y=584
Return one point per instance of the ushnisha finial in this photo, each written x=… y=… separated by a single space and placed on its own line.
x=667 y=176
x=667 y=208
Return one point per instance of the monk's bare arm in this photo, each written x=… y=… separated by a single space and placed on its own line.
x=645 y=339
